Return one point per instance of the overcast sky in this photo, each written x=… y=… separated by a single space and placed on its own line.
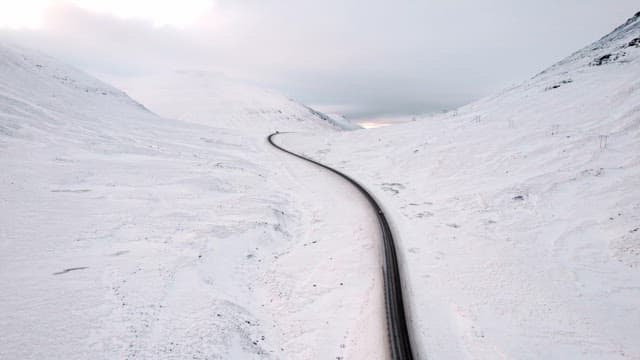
x=362 y=58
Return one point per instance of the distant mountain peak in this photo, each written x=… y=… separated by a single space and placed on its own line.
x=622 y=31
x=620 y=46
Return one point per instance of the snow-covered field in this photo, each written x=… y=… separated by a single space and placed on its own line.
x=126 y=235
x=518 y=215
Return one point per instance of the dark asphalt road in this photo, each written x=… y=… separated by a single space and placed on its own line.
x=396 y=319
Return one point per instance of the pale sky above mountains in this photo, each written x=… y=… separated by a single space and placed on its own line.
x=362 y=59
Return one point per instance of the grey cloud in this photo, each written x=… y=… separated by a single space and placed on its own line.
x=374 y=57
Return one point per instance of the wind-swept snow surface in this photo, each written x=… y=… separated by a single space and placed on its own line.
x=518 y=216
x=125 y=235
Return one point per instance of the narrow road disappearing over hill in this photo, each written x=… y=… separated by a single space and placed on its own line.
x=400 y=345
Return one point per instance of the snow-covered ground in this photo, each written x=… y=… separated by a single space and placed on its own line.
x=127 y=235
x=518 y=216
x=124 y=234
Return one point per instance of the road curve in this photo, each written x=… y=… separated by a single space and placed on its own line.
x=396 y=319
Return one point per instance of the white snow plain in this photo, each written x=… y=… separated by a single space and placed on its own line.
x=518 y=216
x=126 y=235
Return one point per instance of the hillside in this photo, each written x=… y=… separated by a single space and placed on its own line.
x=216 y=100
x=518 y=215
x=127 y=235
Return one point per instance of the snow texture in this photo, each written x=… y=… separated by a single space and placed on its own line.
x=517 y=216
x=126 y=235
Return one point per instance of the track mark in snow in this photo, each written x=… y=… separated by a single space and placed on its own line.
x=70 y=269
x=77 y=191
x=118 y=253
x=393 y=188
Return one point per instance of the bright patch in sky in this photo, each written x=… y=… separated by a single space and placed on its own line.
x=30 y=13
x=22 y=14
x=374 y=123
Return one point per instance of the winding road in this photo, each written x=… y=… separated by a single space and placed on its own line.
x=400 y=345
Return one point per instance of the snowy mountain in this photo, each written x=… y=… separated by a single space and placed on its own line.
x=518 y=215
x=127 y=235
x=215 y=100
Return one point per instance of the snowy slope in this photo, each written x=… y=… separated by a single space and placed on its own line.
x=213 y=99
x=518 y=216
x=127 y=235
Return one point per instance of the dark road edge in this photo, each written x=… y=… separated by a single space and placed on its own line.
x=396 y=320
